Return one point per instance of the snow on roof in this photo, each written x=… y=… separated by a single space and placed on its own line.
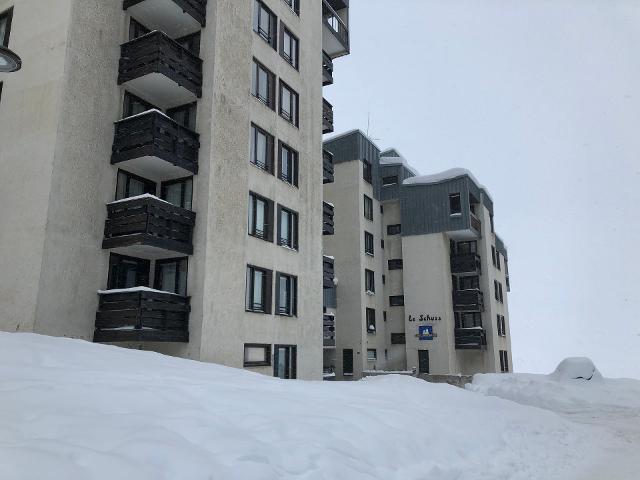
x=132 y=289
x=139 y=197
x=151 y=110
x=387 y=161
x=444 y=176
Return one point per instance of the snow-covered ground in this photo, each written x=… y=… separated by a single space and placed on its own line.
x=74 y=410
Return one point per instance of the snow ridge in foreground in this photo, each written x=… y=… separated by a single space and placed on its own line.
x=74 y=410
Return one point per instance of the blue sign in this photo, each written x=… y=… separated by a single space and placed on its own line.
x=425 y=332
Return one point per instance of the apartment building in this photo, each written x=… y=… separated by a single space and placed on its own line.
x=422 y=277
x=161 y=170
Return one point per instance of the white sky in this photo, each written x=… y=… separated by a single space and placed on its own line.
x=541 y=100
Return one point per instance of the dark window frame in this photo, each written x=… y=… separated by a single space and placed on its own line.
x=294 y=104
x=137 y=29
x=267 y=290
x=191 y=42
x=370 y=317
x=292 y=179
x=395 y=264
x=455 y=204
x=267 y=350
x=375 y=354
x=396 y=300
x=291 y=309
x=151 y=187
x=129 y=99
x=187 y=205
x=270 y=100
x=369 y=244
x=369 y=281
x=180 y=261
x=387 y=183
x=294 y=41
x=143 y=269
x=294 y=220
x=192 y=112
x=347 y=361
x=290 y=363
x=367 y=171
x=253 y=150
x=294 y=5
x=504 y=361
x=271 y=37
x=395 y=229
x=253 y=231
x=368 y=207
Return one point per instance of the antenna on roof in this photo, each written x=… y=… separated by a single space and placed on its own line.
x=368 y=125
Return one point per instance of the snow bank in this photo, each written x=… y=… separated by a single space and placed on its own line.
x=576 y=368
x=74 y=410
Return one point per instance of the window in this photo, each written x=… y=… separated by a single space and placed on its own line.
x=258 y=292
x=504 y=361
x=463 y=248
x=129 y=185
x=372 y=354
x=366 y=171
x=178 y=192
x=257 y=355
x=492 y=225
x=289 y=46
x=263 y=84
x=127 y=272
x=493 y=255
x=5 y=26
x=347 y=361
x=264 y=23
x=395 y=264
x=392 y=180
x=185 y=115
x=136 y=29
x=382 y=244
x=500 y=292
x=381 y=209
x=286 y=295
x=498 y=266
x=495 y=289
x=368 y=243
x=368 y=208
x=171 y=276
x=468 y=319
x=287 y=228
x=262 y=145
x=288 y=104
x=394 y=229
x=384 y=279
x=396 y=300
x=455 y=204
x=134 y=105
x=287 y=164
x=469 y=283
x=371 y=320
x=260 y=217
x=398 y=339
x=294 y=5
x=502 y=327
x=284 y=361
x=191 y=43
x=384 y=316
x=369 y=281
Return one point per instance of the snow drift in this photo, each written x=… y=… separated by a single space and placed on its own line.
x=74 y=410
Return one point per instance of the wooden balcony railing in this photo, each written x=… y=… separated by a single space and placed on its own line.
x=328 y=272
x=327 y=117
x=465 y=263
x=327 y=167
x=468 y=301
x=327 y=218
x=474 y=338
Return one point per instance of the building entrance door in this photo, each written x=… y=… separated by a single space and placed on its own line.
x=423 y=361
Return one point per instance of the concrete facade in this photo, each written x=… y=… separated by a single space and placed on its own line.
x=422 y=240
x=57 y=130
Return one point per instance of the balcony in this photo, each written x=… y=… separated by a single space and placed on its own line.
x=328 y=272
x=142 y=315
x=154 y=146
x=327 y=70
x=465 y=264
x=175 y=17
x=327 y=117
x=160 y=70
x=335 y=34
x=474 y=338
x=147 y=227
x=329 y=330
x=327 y=218
x=327 y=167
x=468 y=301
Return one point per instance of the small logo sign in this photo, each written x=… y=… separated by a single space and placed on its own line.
x=425 y=332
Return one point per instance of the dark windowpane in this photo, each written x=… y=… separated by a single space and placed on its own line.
x=178 y=192
x=394 y=229
x=264 y=23
x=134 y=105
x=455 y=205
x=130 y=185
x=128 y=272
x=171 y=276
x=347 y=361
x=392 y=180
x=368 y=243
x=185 y=115
x=368 y=208
x=262 y=146
x=260 y=217
x=366 y=171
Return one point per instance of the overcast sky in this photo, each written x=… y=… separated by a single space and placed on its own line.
x=541 y=100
